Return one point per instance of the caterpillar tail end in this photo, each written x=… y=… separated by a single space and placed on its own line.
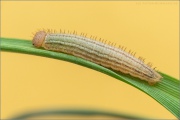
x=157 y=79
x=39 y=38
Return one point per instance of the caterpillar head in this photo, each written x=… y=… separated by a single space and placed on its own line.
x=39 y=38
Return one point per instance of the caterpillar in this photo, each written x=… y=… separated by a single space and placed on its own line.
x=98 y=52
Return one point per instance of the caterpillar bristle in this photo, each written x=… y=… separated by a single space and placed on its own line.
x=134 y=54
x=105 y=41
x=112 y=44
x=149 y=64
x=48 y=31
x=125 y=48
x=95 y=37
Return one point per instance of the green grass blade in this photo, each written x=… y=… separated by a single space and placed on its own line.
x=166 y=92
x=76 y=112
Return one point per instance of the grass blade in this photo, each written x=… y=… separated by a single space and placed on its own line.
x=76 y=112
x=166 y=92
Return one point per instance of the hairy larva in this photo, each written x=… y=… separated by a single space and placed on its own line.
x=97 y=52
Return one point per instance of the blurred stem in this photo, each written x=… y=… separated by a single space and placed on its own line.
x=76 y=112
x=165 y=92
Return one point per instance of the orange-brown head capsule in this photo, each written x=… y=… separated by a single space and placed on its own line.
x=39 y=38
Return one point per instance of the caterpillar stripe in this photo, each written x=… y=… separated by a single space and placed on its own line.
x=97 y=52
